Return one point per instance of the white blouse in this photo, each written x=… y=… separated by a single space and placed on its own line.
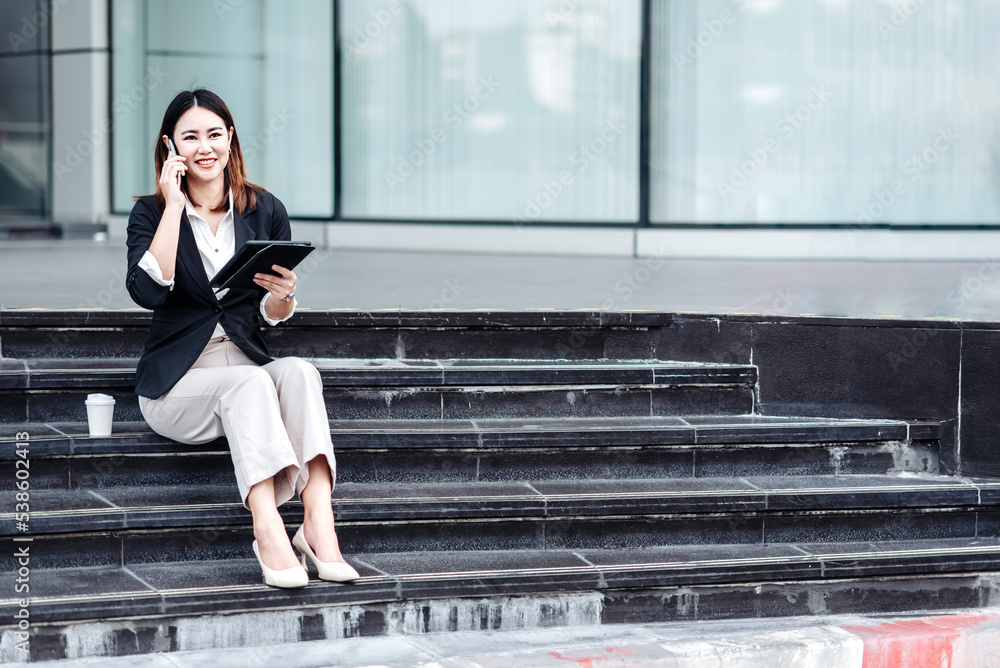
x=215 y=251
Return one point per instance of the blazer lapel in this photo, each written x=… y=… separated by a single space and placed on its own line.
x=243 y=230
x=187 y=255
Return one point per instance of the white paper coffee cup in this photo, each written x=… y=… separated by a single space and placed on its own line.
x=100 y=414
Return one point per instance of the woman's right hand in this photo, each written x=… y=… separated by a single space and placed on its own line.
x=170 y=175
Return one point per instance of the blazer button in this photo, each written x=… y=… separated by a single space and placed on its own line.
x=217 y=309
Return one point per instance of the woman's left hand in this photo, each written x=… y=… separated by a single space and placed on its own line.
x=280 y=287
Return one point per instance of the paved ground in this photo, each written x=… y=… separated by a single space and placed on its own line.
x=88 y=274
x=964 y=640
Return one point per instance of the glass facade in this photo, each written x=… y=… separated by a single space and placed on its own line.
x=757 y=112
x=25 y=136
x=510 y=110
x=825 y=111
x=270 y=60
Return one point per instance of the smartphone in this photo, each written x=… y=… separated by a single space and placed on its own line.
x=172 y=151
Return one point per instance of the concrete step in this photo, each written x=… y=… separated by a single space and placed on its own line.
x=209 y=523
x=968 y=637
x=433 y=590
x=65 y=438
x=40 y=374
x=64 y=456
x=54 y=389
x=543 y=335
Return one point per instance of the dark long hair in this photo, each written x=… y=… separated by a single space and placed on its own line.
x=236 y=169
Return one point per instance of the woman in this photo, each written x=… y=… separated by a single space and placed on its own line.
x=205 y=371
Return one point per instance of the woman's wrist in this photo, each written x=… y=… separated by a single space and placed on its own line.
x=175 y=206
x=276 y=309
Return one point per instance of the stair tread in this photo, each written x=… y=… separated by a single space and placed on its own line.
x=56 y=511
x=64 y=438
x=68 y=364
x=182 y=588
x=120 y=372
x=350 y=317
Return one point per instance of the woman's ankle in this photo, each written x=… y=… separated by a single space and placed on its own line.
x=268 y=528
x=321 y=535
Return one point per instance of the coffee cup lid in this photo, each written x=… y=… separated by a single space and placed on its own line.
x=100 y=399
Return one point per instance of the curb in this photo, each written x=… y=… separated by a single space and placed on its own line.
x=969 y=639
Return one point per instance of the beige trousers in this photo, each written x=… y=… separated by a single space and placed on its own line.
x=273 y=415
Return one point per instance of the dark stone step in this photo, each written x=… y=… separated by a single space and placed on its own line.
x=27 y=319
x=541 y=335
x=66 y=438
x=431 y=465
x=63 y=374
x=442 y=466
x=555 y=514
x=63 y=456
x=434 y=403
x=54 y=390
x=471 y=403
x=156 y=591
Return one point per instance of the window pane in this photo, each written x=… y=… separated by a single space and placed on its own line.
x=24 y=135
x=517 y=110
x=24 y=108
x=825 y=111
x=25 y=25
x=278 y=82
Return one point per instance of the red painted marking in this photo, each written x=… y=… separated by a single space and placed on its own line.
x=592 y=661
x=915 y=643
x=587 y=662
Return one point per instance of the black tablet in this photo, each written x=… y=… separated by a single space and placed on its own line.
x=257 y=257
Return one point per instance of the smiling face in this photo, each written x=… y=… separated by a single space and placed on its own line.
x=202 y=137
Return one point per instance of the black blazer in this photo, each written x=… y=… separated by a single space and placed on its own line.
x=185 y=317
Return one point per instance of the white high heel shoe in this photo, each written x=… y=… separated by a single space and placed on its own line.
x=288 y=578
x=333 y=571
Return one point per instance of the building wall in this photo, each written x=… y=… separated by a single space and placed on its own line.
x=765 y=128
